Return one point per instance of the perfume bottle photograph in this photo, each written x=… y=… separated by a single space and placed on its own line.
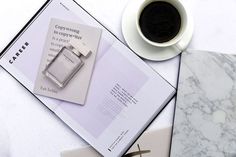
x=66 y=63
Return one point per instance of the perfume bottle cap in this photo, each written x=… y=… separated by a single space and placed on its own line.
x=80 y=48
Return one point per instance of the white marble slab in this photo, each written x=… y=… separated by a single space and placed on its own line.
x=205 y=115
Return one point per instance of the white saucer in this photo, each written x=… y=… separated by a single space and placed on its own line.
x=139 y=46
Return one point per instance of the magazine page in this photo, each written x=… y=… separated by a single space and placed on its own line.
x=124 y=94
x=122 y=100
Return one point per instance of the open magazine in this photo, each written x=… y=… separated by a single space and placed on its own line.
x=120 y=100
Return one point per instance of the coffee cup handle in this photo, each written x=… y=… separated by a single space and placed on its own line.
x=179 y=46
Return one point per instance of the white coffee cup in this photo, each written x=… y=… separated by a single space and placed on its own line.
x=184 y=21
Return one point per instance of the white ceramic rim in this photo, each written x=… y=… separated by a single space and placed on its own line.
x=184 y=18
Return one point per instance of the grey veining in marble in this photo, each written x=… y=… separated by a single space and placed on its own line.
x=205 y=115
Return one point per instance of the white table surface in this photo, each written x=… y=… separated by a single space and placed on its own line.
x=27 y=128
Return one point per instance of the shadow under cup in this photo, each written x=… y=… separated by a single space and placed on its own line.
x=161 y=22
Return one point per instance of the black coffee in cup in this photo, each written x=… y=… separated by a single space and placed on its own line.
x=160 y=21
